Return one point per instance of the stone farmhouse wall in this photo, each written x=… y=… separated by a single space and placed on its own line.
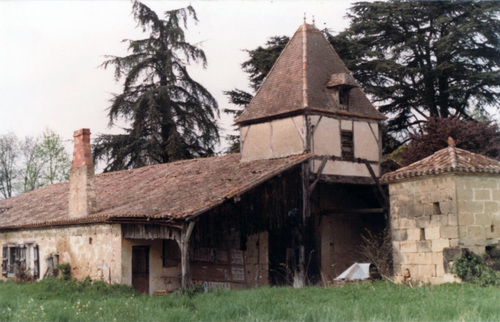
x=91 y=250
x=434 y=217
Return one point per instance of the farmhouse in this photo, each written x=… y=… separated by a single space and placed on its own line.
x=290 y=208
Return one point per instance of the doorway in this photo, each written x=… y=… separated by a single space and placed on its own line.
x=140 y=268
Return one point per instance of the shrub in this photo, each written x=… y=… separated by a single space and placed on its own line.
x=472 y=268
x=376 y=248
x=64 y=270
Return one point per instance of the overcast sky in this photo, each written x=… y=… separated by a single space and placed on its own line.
x=50 y=52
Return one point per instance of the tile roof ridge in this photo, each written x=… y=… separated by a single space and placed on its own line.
x=452 y=152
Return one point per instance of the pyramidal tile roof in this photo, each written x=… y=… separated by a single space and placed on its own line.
x=299 y=78
x=447 y=160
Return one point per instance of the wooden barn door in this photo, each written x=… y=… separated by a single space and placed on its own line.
x=140 y=268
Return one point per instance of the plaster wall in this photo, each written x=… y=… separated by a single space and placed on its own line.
x=91 y=250
x=366 y=141
x=274 y=139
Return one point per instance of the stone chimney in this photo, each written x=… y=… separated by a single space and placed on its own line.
x=82 y=200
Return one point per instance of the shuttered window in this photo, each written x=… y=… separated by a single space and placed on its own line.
x=347 y=144
x=18 y=258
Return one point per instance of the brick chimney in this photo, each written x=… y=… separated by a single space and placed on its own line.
x=82 y=200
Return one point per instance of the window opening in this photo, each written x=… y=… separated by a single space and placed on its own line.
x=344 y=98
x=347 y=145
x=437 y=208
x=20 y=258
x=422 y=233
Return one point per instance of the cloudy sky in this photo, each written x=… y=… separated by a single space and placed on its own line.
x=50 y=52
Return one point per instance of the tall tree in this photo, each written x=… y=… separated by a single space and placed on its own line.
x=31 y=170
x=9 y=152
x=257 y=66
x=55 y=158
x=170 y=116
x=422 y=59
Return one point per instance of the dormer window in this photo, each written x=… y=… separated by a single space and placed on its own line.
x=340 y=86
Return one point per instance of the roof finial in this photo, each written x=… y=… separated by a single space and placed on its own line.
x=451 y=142
x=314 y=21
x=304 y=17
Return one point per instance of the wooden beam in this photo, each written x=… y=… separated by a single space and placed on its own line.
x=346 y=179
x=340 y=210
x=318 y=174
x=377 y=183
x=184 y=246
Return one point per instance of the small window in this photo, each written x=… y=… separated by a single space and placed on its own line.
x=347 y=145
x=422 y=233
x=436 y=208
x=171 y=253
x=344 y=98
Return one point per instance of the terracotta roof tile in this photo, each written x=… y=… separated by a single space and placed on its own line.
x=299 y=78
x=450 y=159
x=169 y=191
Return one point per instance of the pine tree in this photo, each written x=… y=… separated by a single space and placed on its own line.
x=170 y=116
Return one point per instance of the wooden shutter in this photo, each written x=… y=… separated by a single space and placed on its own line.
x=5 y=259
x=36 y=262
x=21 y=265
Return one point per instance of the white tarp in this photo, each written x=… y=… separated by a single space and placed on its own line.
x=357 y=271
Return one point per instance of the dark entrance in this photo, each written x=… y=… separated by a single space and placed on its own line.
x=140 y=268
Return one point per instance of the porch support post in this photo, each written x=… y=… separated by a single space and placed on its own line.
x=299 y=278
x=184 y=246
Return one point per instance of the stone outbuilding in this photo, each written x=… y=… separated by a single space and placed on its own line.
x=441 y=205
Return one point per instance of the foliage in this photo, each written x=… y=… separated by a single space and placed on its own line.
x=170 y=116
x=9 y=152
x=31 y=163
x=472 y=268
x=59 y=300
x=257 y=66
x=64 y=271
x=376 y=248
x=478 y=137
x=422 y=59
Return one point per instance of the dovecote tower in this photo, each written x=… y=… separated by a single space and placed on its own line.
x=310 y=102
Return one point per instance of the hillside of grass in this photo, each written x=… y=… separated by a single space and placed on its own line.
x=58 y=300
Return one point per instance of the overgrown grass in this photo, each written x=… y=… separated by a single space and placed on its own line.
x=57 y=300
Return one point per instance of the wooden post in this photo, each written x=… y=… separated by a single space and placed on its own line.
x=184 y=246
x=299 y=278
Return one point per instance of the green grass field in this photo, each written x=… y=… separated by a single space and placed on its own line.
x=57 y=300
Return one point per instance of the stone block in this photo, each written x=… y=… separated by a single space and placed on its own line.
x=490 y=207
x=422 y=222
x=449 y=232
x=424 y=246
x=470 y=207
x=476 y=232
x=493 y=231
x=447 y=207
x=413 y=234
x=454 y=242
x=399 y=235
x=467 y=242
x=440 y=244
x=464 y=193
x=405 y=223
x=489 y=183
x=452 y=219
x=482 y=220
x=437 y=258
x=408 y=246
x=465 y=219
x=426 y=271
x=438 y=221
x=396 y=245
x=495 y=219
x=495 y=194
x=440 y=269
x=482 y=194
x=432 y=233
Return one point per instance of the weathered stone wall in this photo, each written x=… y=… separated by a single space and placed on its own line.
x=478 y=211
x=433 y=217
x=91 y=250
